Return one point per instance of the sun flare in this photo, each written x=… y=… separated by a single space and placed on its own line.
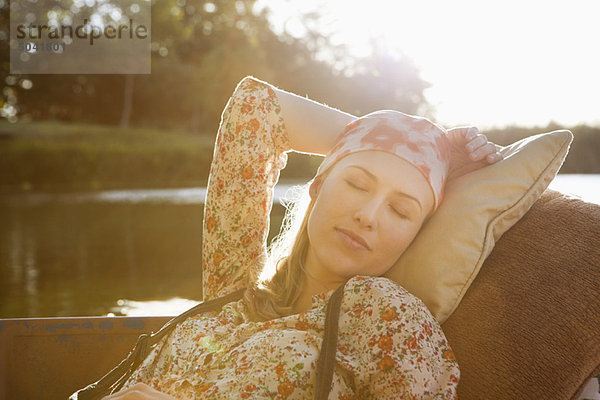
x=489 y=63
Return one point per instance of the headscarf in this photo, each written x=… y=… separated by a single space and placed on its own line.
x=414 y=139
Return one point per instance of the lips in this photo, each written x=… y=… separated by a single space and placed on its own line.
x=355 y=237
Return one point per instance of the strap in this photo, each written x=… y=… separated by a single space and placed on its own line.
x=329 y=346
x=116 y=378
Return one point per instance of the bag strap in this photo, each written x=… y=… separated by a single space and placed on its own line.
x=116 y=378
x=328 y=348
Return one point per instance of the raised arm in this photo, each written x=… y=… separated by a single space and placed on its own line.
x=259 y=124
x=250 y=150
x=312 y=127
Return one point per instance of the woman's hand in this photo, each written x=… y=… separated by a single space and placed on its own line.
x=139 y=391
x=471 y=150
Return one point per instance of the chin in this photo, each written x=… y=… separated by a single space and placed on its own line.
x=347 y=271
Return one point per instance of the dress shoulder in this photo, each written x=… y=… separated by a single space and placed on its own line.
x=392 y=342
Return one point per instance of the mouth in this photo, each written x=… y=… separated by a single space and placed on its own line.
x=353 y=240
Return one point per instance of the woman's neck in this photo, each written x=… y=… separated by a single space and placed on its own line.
x=316 y=280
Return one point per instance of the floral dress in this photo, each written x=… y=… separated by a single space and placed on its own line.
x=389 y=345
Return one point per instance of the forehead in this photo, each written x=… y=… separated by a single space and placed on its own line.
x=389 y=170
x=381 y=163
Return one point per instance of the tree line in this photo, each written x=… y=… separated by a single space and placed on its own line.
x=200 y=50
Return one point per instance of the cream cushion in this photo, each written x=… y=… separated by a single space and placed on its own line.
x=476 y=210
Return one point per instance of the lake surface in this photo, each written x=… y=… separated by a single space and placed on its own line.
x=125 y=252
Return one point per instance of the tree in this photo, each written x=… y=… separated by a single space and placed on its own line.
x=200 y=50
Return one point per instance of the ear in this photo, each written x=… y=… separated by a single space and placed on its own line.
x=313 y=190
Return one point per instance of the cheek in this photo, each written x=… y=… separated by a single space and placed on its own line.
x=326 y=213
x=326 y=207
x=316 y=222
x=398 y=238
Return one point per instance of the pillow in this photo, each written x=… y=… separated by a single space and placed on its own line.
x=527 y=328
x=476 y=210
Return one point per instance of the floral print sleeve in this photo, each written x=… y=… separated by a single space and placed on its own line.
x=250 y=150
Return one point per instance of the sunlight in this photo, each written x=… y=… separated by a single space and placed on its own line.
x=132 y=308
x=489 y=63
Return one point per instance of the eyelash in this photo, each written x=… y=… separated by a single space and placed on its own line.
x=399 y=214
x=393 y=209
x=354 y=186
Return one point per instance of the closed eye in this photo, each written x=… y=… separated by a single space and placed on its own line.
x=402 y=215
x=355 y=186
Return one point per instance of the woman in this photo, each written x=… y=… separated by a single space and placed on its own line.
x=369 y=199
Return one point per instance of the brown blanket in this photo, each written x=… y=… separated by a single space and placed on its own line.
x=529 y=325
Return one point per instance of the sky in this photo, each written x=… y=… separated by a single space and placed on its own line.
x=490 y=63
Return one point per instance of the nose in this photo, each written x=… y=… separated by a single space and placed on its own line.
x=366 y=215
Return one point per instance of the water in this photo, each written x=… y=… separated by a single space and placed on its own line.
x=128 y=252
x=584 y=186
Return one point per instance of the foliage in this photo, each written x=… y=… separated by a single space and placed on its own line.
x=55 y=155
x=200 y=50
x=60 y=156
x=583 y=153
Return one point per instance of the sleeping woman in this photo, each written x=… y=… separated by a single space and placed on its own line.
x=382 y=177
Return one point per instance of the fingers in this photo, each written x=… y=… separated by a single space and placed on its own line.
x=495 y=156
x=478 y=141
x=488 y=149
x=472 y=132
x=473 y=138
x=478 y=146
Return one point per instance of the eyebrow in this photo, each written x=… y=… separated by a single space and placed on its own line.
x=398 y=192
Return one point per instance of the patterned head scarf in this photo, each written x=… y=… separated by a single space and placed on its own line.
x=414 y=139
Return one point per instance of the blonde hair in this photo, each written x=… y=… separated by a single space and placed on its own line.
x=273 y=293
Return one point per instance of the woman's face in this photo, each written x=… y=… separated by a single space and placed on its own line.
x=367 y=211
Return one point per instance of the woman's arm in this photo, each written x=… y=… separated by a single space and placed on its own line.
x=250 y=149
x=312 y=127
